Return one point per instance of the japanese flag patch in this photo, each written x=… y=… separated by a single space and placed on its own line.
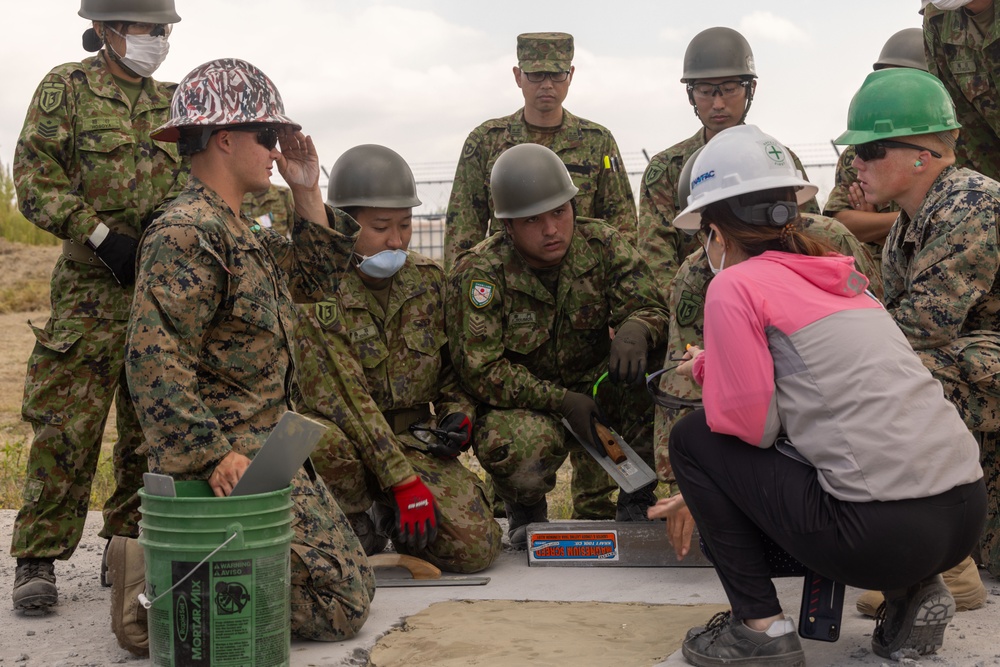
x=481 y=293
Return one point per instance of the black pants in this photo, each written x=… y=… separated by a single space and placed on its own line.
x=741 y=495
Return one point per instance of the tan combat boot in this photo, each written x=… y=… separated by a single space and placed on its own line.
x=127 y=572
x=963 y=581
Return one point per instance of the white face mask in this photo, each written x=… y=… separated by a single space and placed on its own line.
x=722 y=262
x=143 y=53
x=383 y=264
x=949 y=5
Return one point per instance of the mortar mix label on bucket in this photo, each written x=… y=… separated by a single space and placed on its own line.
x=217 y=577
x=555 y=546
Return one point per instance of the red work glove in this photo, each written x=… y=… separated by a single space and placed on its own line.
x=417 y=513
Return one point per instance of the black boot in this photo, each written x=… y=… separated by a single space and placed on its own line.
x=633 y=506
x=364 y=527
x=35 y=585
x=518 y=518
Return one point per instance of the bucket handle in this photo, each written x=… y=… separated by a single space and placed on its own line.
x=147 y=603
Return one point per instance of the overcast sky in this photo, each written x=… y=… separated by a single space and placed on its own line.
x=418 y=76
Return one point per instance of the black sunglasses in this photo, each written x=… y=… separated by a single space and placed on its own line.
x=267 y=136
x=875 y=150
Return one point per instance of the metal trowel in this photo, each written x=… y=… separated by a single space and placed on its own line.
x=617 y=458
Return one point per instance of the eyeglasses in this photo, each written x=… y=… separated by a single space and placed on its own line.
x=538 y=77
x=267 y=136
x=875 y=150
x=154 y=29
x=706 y=91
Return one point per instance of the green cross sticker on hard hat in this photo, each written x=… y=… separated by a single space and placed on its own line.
x=775 y=152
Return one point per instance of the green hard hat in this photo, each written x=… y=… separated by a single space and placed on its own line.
x=371 y=175
x=684 y=181
x=904 y=49
x=137 y=11
x=718 y=52
x=898 y=102
x=529 y=179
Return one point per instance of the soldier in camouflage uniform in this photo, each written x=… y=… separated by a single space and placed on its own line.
x=544 y=72
x=383 y=326
x=963 y=50
x=720 y=76
x=687 y=309
x=87 y=171
x=209 y=354
x=846 y=202
x=272 y=208
x=940 y=264
x=529 y=336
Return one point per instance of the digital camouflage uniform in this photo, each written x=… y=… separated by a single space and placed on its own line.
x=518 y=349
x=85 y=157
x=940 y=271
x=274 y=208
x=662 y=245
x=968 y=63
x=687 y=319
x=582 y=145
x=210 y=367
x=838 y=201
x=391 y=366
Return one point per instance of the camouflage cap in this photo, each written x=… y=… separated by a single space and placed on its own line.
x=544 y=51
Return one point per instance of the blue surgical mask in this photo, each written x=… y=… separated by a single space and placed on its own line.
x=383 y=264
x=722 y=262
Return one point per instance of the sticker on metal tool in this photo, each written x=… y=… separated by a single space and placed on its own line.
x=575 y=546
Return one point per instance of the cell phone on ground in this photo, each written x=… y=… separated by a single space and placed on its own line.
x=822 y=608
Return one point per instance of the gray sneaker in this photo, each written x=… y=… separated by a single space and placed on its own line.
x=727 y=641
x=914 y=618
x=35 y=586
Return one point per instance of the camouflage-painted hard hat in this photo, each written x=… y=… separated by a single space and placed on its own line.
x=718 y=52
x=544 y=51
x=898 y=102
x=904 y=49
x=223 y=92
x=529 y=179
x=372 y=175
x=138 y=11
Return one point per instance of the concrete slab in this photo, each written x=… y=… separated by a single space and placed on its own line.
x=78 y=631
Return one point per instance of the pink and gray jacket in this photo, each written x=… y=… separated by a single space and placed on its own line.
x=795 y=346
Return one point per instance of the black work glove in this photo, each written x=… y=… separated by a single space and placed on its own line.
x=580 y=411
x=456 y=433
x=117 y=252
x=628 y=354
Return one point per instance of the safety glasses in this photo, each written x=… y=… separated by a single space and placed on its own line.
x=875 y=150
x=538 y=77
x=267 y=136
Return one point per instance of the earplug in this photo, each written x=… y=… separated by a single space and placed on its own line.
x=917 y=163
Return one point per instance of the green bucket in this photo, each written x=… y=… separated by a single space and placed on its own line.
x=227 y=608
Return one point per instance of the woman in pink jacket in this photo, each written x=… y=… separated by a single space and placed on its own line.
x=823 y=439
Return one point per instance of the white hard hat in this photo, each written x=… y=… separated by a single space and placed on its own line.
x=735 y=162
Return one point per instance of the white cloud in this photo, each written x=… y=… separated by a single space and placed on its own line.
x=767 y=26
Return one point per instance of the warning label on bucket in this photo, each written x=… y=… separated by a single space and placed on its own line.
x=224 y=613
x=577 y=546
